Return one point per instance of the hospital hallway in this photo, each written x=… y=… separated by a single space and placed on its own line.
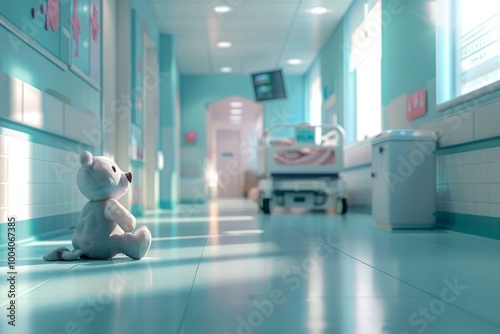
x=226 y=268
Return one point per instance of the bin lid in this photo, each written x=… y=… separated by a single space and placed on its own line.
x=405 y=134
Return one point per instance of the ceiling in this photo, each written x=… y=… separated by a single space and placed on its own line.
x=264 y=33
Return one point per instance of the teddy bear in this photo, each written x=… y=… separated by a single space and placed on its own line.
x=104 y=227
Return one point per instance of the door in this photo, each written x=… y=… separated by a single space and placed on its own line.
x=228 y=163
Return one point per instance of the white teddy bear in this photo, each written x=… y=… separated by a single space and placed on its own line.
x=104 y=227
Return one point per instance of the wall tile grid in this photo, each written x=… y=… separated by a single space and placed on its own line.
x=469 y=182
x=36 y=180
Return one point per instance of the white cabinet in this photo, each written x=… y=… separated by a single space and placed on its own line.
x=404 y=179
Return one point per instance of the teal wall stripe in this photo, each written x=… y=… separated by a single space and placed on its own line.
x=483 y=226
x=471 y=146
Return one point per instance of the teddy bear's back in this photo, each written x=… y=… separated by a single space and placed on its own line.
x=93 y=230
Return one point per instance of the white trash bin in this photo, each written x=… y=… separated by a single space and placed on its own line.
x=404 y=179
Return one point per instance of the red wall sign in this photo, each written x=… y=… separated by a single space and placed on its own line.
x=190 y=136
x=416 y=105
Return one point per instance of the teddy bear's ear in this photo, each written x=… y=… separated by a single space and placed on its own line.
x=86 y=159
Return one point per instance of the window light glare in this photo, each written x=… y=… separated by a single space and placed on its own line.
x=294 y=61
x=318 y=10
x=224 y=44
x=222 y=9
x=226 y=69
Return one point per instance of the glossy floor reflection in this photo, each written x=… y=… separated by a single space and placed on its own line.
x=226 y=269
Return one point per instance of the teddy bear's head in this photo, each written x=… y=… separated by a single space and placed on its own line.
x=99 y=178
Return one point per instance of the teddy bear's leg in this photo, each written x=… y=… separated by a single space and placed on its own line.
x=63 y=254
x=134 y=245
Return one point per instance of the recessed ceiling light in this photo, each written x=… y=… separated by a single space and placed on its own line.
x=294 y=61
x=235 y=117
x=235 y=111
x=318 y=10
x=224 y=44
x=226 y=69
x=222 y=9
x=236 y=104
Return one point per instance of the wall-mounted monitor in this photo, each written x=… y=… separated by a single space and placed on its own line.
x=269 y=85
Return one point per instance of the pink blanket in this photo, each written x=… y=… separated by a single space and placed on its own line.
x=305 y=156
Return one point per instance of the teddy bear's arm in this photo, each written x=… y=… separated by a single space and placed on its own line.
x=115 y=211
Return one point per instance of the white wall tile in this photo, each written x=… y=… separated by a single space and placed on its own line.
x=481 y=173
x=468 y=157
x=494 y=210
x=3 y=194
x=27 y=182
x=455 y=175
x=81 y=126
x=32 y=106
x=50 y=209
x=49 y=153
x=453 y=159
x=481 y=209
x=26 y=190
x=38 y=152
x=452 y=129
x=50 y=172
x=3 y=214
x=4 y=168
x=494 y=193
x=494 y=172
x=469 y=193
x=481 y=193
x=38 y=171
x=53 y=115
x=3 y=145
x=455 y=191
x=464 y=208
x=468 y=173
x=11 y=95
x=494 y=154
x=481 y=155
x=19 y=148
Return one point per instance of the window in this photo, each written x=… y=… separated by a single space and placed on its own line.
x=364 y=103
x=315 y=100
x=468 y=48
x=316 y=108
x=368 y=98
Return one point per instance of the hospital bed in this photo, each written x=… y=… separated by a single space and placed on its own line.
x=301 y=170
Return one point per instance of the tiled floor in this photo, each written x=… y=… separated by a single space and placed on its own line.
x=226 y=269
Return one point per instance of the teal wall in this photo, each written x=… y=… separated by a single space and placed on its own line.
x=290 y=110
x=197 y=91
x=332 y=60
x=409 y=52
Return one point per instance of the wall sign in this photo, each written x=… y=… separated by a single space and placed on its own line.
x=190 y=136
x=416 y=105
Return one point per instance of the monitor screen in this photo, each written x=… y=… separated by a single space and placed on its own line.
x=269 y=85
